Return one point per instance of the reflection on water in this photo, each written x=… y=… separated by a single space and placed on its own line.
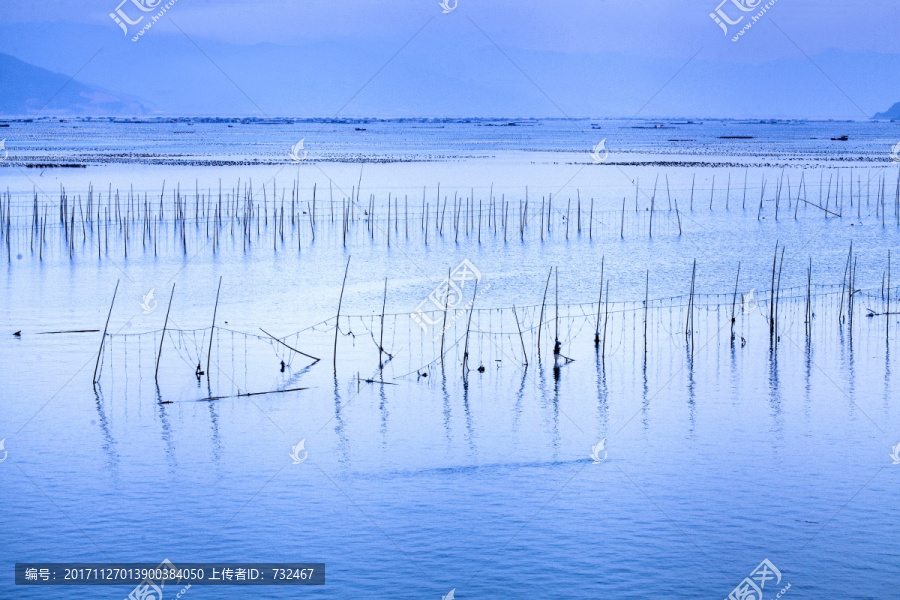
x=722 y=451
x=419 y=459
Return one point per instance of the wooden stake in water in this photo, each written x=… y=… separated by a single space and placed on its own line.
x=728 y=191
x=444 y=327
x=850 y=298
x=761 y=194
x=605 y=320
x=887 y=310
x=599 y=301
x=163 y=336
x=734 y=301
x=693 y=180
x=808 y=318
x=381 y=334
x=772 y=298
x=290 y=347
x=646 y=305
x=521 y=339
x=212 y=330
x=744 y=201
x=556 y=347
x=844 y=284
x=541 y=317
x=678 y=215
x=468 y=327
x=337 y=319
x=778 y=298
x=103 y=339
x=689 y=323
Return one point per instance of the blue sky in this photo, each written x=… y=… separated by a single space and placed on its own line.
x=822 y=59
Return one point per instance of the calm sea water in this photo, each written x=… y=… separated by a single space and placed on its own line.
x=717 y=455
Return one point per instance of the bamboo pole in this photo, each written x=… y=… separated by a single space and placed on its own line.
x=289 y=347
x=381 y=334
x=521 y=339
x=337 y=319
x=103 y=339
x=541 y=317
x=444 y=326
x=212 y=329
x=468 y=327
x=734 y=301
x=163 y=336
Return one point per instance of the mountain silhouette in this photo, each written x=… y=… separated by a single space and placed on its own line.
x=28 y=90
x=891 y=114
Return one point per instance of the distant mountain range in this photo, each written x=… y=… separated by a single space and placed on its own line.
x=891 y=114
x=450 y=72
x=28 y=91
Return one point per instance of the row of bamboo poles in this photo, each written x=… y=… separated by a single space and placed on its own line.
x=548 y=315
x=202 y=218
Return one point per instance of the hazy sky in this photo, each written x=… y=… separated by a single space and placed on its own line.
x=649 y=27
x=839 y=52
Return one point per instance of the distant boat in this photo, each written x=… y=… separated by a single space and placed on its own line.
x=360 y=128
x=843 y=138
